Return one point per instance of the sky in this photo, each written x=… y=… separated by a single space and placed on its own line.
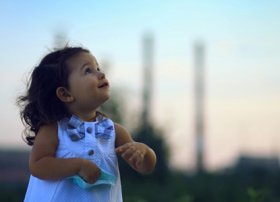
x=242 y=51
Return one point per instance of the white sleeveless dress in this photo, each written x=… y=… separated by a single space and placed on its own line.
x=99 y=150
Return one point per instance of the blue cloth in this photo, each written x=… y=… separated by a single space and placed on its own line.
x=104 y=179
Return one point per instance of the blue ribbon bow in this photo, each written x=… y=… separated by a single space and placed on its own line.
x=103 y=129
x=76 y=129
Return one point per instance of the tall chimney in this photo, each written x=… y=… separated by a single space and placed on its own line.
x=147 y=77
x=199 y=95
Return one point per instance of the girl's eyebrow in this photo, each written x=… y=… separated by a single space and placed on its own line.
x=85 y=64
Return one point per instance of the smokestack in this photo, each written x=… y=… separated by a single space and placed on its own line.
x=199 y=86
x=147 y=77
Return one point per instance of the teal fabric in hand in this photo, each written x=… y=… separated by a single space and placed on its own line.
x=104 y=179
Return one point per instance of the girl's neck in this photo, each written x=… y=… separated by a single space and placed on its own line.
x=86 y=116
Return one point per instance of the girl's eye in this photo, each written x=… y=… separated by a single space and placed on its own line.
x=88 y=70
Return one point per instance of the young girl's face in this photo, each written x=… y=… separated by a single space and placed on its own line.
x=87 y=83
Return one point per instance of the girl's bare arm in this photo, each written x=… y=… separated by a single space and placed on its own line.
x=44 y=165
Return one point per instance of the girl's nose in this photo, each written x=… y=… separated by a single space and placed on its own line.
x=101 y=75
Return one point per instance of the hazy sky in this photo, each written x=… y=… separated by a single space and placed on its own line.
x=242 y=44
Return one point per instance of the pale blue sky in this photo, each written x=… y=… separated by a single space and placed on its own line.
x=242 y=40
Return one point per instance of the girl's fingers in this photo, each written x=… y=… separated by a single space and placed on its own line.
x=134 y=157
x=137 y=158
x=131 y=152
x=123 y=148
x=127 y=153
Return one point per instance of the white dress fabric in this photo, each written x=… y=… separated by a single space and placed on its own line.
x=99 y=150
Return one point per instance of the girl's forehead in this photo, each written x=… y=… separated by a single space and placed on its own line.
x=80 y=59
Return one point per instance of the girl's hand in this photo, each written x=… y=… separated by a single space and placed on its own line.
x=133 y=152
x=89 y=171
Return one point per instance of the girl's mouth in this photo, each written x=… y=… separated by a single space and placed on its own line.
x=105 y=84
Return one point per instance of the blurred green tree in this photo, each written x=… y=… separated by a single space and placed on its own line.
x=153 y=137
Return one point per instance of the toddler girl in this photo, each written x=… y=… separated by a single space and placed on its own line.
x=74 y=146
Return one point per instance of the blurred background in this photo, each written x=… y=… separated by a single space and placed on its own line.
x=196 y=80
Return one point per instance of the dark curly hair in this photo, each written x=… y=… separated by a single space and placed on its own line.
x=40 y=105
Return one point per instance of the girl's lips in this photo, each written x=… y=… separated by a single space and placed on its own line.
x=105 y=84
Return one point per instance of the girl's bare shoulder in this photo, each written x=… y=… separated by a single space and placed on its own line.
x=46 y=142
x=122 y=135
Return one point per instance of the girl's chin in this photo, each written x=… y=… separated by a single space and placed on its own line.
x=107 y=97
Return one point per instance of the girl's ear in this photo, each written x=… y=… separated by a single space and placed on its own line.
x=63 y=94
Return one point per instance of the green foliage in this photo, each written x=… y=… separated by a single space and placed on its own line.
x=151 y=190
x=12 y=192
x=258 y=195
x=154 y=139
